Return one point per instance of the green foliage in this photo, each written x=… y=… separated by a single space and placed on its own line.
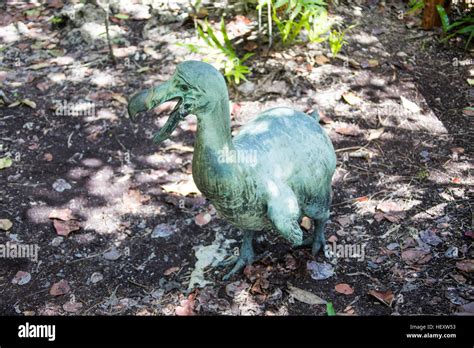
x=57 y=20
x=292 y=16
x=463 y=26
x=415 y=5
x=422 y=174
x=121 y=16
x=317 y=27
x=337 y=40
x=233 y=65
x=330 y=309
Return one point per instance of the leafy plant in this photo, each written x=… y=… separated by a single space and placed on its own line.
x=330 y=309
x=57 y=20
x=337 y=40
x=292 y=16
x=415 y=5
x=233 y=65
x=317 y=27
x=121 y=16
x=463 y=26
x=422 y=174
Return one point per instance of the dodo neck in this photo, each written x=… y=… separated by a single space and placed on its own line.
x=213 y=133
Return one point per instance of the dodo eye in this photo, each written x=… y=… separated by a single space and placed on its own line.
x=184 y=88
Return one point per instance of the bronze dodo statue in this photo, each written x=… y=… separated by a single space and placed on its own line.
x=275 y=171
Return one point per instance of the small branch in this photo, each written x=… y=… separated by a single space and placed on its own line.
x=351 y=148
x=106 y=8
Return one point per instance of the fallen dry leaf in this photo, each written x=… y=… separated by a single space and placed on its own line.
x=5 y=224
x=324 y=119
x=349 y=130
x=361 y=199
x=72 y=307
x=48 y=157
x=321 y=60
x=344 y=220
x=390 y=217
x=29 y=103
x=375 y=133
x=469 y=111
x=186 y=307
x=202 y=219
x=351 y=99
x=349 y=310
x=39 y=66
x=389 y=206
x=43 y=86
x=457 y=150
x=361 y=153
x=465 y=265
x=384 y=297
x=55 y=3
x=64 y=228
x=61 y=214
x=171 y=270
x=416 y=256
x=21 y=278
x=344 y=288
x=5 y=162
x=306 y=223
x=392 y=211
x=305 y=296
x=250 y=46
x=120 y=98
x=371 y=63
x=259 y=286
x=60 y=288
x=184 y=188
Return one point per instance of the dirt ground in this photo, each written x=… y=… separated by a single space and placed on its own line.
x=393 y=104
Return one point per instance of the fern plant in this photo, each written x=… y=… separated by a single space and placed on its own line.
x=292 y=16
x=227 y=58
x=337 y=39
x=463 y=26
x=415 y=5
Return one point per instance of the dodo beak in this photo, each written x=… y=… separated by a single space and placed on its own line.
x=149 y=99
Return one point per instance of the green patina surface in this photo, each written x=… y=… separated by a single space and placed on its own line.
x=275 y=171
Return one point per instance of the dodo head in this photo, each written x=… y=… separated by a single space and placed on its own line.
x=197 y=87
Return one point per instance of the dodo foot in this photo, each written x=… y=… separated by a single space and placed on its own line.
x=316 y=245
x=242 y=261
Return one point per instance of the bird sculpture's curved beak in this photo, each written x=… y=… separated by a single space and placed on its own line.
x=149 y=99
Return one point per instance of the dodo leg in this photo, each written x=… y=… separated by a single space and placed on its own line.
x=246 y=256
x=319 y=239
x=284 y=212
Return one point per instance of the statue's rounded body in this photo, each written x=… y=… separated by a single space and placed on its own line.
x=280 y=147
x=277 y=169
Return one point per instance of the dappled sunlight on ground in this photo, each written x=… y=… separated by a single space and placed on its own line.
x=402 y=169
